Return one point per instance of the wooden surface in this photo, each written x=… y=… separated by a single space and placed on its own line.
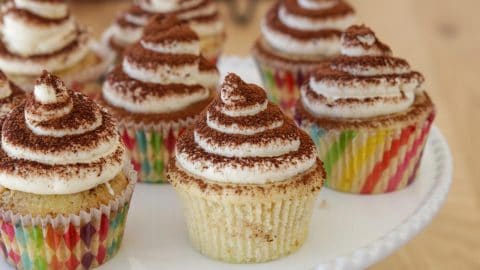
x=441 y=39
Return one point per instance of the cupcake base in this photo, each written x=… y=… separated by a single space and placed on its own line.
x=247 y=223
x=374 y=155
x=76 y=241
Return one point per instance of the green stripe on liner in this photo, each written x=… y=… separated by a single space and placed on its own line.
x=336 y=150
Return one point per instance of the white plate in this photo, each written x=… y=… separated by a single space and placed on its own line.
x=347 y=231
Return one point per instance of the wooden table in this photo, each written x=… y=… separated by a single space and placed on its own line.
x=440 y=39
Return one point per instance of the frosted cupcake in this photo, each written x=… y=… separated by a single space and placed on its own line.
x=368 y=114
x=38 y=35
x=10 y=95
x=247 y=177
x=298 y=35
x=159 y=89
x=202 y=16
x=65 y=185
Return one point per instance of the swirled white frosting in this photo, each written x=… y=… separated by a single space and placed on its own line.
x=281 y=27
x=41 y=35
x=51 y=10
x=157 y=59
x=244 y=139
x=194 y=12
x=72 y=169
x=365 y=82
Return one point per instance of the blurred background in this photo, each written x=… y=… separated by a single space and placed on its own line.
x=441 y=39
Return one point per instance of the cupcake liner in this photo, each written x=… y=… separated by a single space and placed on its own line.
x=258 y=231
x=82 y=241
x=282 y=83
x=370 y=161
x=150 y=147
x=247 y=223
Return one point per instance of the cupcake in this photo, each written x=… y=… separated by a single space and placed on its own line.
x=159 y=89
x=247 y=177
x=202 y=16
x=65 y=181
x=10 y=95
x=38 y=35
x=297 y=36
x=368 y=114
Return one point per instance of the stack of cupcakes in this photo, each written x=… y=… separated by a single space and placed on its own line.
x=247 y=176
x=65 y=181
x=202 y=16
x=38 y=35
x=297 y=36
x=159 y=89
x=368 y=114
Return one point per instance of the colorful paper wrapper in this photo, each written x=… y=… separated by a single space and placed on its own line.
x=282 y=83
x=150 y=147
x=253 y=226
x=369 y=161
x=82 y=241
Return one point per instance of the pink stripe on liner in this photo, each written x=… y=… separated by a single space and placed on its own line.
x=395 y=180
x=388 y=155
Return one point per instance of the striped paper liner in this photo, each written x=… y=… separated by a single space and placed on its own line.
x=370 y=161
x=228 y=223
x=82 y=241
x=150 y=147
x=282 y=84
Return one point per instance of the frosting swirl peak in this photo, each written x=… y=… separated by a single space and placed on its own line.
x=307 y=27
x=243 y=138
x=65 y=142
x=365 y=81
x=163 y=72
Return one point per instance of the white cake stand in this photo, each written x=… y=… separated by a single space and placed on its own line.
x=347 y=231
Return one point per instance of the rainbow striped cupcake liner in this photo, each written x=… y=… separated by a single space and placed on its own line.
x=370 y=161
x=282 y=84
x=71 y=242
x=150 y=149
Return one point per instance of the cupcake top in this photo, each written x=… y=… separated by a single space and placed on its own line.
x=163 y=72
x=58 y=142
x=243 y=138
x=10 y=95
x=307 y=27
x=39 y=34
x=365 y=81
x=202 y=15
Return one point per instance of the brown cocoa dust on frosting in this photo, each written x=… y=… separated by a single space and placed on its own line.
x=177 y=176
x=339 y=9
x=34 y=18
x=40 y=57
x=422 y=107
x=245 y=95
x=338 y=71
x=124 y=84
x=14 y=129
x=161 y=29
x=273 y=21
x=150 y=59
x=351 y=38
